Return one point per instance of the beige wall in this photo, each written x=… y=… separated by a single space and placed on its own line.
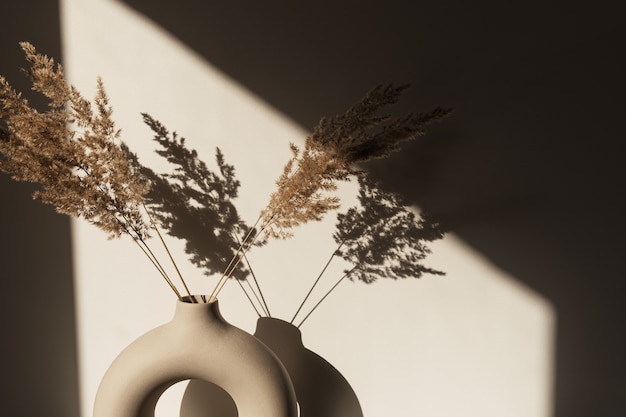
x=473 y=343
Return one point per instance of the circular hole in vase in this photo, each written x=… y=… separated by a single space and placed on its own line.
x=210 y=400
x=218 y=403
x=168 y=404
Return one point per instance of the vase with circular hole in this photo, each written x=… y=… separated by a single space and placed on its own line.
x=196 y=344
x=321 y=390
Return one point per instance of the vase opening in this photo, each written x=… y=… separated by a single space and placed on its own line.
x=198 y=298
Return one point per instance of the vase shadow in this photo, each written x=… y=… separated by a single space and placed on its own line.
x=203 y=398
x=321 y=390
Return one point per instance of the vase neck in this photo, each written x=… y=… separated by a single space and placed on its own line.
x=188 y=311
x=272 y=329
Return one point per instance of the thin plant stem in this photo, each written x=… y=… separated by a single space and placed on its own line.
x=230 y=267
x=169 y=254
x=323 y=298
x=144 y=248
x=316 y=282
x=239 y=255
x=154 y=258
x=246 y=292
x=228 y=274
x=258 y=287
x=136 y=236
x=256 y=296
x=244 y=247
x=249 y=298
x=150 y=255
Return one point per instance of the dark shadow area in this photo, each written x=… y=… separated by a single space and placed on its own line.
x=380 y=237
x=322 y=391
x=528 y=170
x=195 y=202
x=38 y=355
x=205 y=399
x=320 y=388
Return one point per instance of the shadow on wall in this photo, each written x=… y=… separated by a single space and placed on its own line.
x=38 y=354
x=320 y=388
x=527 y=171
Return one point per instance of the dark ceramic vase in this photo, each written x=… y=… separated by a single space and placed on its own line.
x=321 y=390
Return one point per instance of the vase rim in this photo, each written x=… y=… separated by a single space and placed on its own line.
x=186 y=308
x=198 y=299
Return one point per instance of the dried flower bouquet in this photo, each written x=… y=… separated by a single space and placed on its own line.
x=73 y=151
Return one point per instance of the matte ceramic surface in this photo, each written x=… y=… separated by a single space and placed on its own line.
x=197 y=344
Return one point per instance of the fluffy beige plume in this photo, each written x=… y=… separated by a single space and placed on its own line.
x=71 y=150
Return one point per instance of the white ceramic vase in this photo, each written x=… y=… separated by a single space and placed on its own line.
x=197 y=344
